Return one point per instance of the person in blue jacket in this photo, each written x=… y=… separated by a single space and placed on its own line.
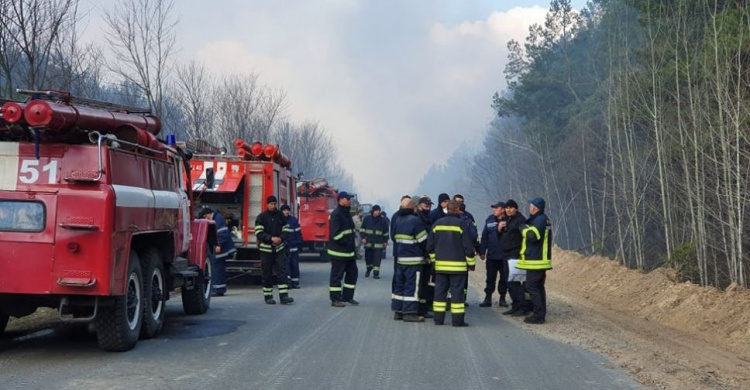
x=294 y=241
x=491 y=251
x=225 y=250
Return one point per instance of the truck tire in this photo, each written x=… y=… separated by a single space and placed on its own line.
x=119 y=325
x=198 y=299
x=154 y=294
x=3 y=322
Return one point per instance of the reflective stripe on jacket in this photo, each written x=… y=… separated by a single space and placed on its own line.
x=536 y=247
x=450 y=246
x=271 y=224
x=341 y=243
x=375 y=231
x=411 y=237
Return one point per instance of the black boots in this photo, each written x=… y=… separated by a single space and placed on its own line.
x=338 y=304
x=411 y=317
x=376 y=275
x=487 y=301
x=285 y=299
x=398 y=316
x=367 y=273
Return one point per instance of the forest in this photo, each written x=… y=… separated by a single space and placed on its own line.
x=632 y=118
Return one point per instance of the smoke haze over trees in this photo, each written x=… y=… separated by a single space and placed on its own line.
x=632 y=118
x=40 y=48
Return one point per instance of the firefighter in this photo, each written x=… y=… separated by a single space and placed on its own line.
x=536 y=258
x=411 y=236
x=510 y=227
x=451 y=249
x=460 y=199
x=293 y=243
x=273 y=232
x=441 y=210
x=489 y=250
x=225 y=250
x=470 y=226
x=341 y=250
x=375 y=239
x=427 y=285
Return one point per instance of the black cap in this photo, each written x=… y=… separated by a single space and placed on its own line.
x=271 y=199
x=204 y=211
x=285 y=207
x=425 y=200
x=343 y=195
x=511 y=203
x=498 y=204
x=375 y=208
x=443 y=197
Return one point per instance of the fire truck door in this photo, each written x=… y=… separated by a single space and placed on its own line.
x=184 y=212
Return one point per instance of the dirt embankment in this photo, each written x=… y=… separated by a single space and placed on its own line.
x=668 y=335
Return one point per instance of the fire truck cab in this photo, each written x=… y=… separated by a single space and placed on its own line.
x=96 y=219
x=237 y=186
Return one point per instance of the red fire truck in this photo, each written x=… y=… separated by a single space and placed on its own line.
x=96 y=220
x=316 y=201
x=237 y=185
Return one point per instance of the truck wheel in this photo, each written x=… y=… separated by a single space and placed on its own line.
x=198 y=299
x=118 y=325
x=154 y=294
x=3 y=322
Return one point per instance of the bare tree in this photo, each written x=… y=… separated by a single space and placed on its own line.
x=192 y=93
x=29 y=30
x=142 y=38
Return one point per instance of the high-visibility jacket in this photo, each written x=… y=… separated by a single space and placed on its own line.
x=224 y=236
x=450 y=246
x=375 y=231
x=411 y=238
x=295 y=234
x=341 y=243
x=536 y=247
x=271 y=224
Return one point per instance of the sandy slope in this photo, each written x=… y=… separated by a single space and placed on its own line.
x=668 y=335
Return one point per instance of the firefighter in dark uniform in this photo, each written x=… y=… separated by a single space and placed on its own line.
x=374 y=234
x=470 y=226
x=536 y=258
x=441 y=210
x=490 y=250
x=427 y=285
x=341 y=251
x=224 y=251
x=293 y=243
x=510 y=227
x=451 y=249
x=411 y=237
x=272 y=233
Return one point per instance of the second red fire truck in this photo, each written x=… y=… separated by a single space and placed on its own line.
x=238 y=185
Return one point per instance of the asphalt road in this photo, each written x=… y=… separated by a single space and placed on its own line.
x=243 y=343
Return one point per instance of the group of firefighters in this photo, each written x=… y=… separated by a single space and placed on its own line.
x=433 y=251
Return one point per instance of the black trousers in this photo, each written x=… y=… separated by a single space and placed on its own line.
x=517 y=292
x=495 y=266
x=273 y=267
x=535 y=287
x=373 y=257
x=346 y=269
x=426 y=288
x=456 y=283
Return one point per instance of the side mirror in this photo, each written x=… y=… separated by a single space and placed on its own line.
x=210 y=181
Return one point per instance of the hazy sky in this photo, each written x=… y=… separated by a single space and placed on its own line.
x=398 y=83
